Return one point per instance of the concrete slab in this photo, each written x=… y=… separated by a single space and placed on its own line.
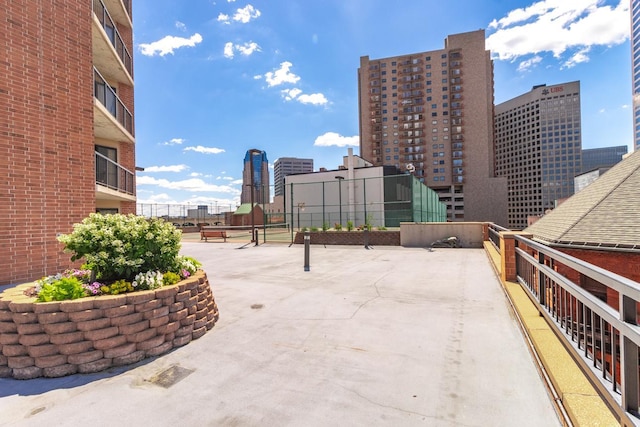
x=388 y=336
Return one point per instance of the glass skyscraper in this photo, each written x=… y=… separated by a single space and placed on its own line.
x=255 y=176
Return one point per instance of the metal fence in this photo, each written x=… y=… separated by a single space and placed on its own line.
x=604 y=338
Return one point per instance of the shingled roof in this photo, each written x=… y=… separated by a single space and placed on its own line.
x=606 y=214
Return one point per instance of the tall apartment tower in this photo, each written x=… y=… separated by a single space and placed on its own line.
x=538 y=148
x=431 y=113
x=635 y=69
x=256 y=168
x=66 y=126
x=288 y=166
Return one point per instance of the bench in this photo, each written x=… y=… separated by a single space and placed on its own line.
x=205 y=234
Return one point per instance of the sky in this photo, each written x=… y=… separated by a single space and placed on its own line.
x=214 y=79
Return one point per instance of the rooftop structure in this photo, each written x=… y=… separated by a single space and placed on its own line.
x=288 y=166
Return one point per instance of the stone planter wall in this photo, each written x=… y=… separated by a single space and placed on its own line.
x=376 y=238
x=55 y=339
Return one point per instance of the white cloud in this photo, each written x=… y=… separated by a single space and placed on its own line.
x=168 y=44
x=204 y=150
x=245 y=49
x=172 y=168
x=230 y=1
x=246 y=14
x=174 y=141
x=281 y=75
x=296 y=94
x=257 y=77
x=181 y=26
x=226 y=178
x=525 y=65
x=237 y=182
x=577 y=58
x=559 y=26
x=314 y=99
x=228 y=50
x=330 y=139
x=192 y=184
x=223 y=18
x=291 y=94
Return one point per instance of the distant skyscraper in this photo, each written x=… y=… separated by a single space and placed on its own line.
x=635 y=69
x=602 y=158
x=256 y=165
x=288 y=166
x=538 y=148
x=432 y=113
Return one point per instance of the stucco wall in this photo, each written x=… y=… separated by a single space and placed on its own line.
x=469 y=234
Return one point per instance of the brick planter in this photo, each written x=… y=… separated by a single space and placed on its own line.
x=376 y=238
x=54 y=339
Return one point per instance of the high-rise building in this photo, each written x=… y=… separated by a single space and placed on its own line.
x=255 y=176
x=66 y=119
x=538 y=148
x=635 y=69
x=602 y=158
x=431 y=113
x=288 y=166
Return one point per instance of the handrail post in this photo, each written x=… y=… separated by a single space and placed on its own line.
x=629 y=357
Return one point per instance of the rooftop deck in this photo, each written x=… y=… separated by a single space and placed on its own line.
x=388 y=336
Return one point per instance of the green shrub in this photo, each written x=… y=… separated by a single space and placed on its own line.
x=62 y=289
x=120 y=246
x=337 y=226
x=349 y=225
x=325 y=226
x=170 y=278
x=382 y=228
x=117 y=287
x=314 y=228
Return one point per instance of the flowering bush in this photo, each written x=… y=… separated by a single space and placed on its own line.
x=122 y=253
x=121 y=246
x=148 y=280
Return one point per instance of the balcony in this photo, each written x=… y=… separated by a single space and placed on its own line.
x=110 y=53
x=113 y=182
x=120 y=10
x=112 y=119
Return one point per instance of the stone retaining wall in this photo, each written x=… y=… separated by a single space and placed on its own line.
x=376 y=238
x=54 y=339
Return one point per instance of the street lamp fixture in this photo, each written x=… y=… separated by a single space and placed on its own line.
x=340 y=179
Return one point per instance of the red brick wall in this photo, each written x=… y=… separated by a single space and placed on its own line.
x=625 y=264
x=47 y=181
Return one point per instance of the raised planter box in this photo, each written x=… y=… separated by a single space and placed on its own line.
x=376 y=238
x=54 y=339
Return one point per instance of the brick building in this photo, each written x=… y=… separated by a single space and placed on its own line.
x=599 y=225
x=66 y=126
x=432 y=113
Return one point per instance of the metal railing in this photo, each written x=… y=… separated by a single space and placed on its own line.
x=111 y=175
x=108 y=97
x=605 y=338
x=494 y=235
x=113 y=34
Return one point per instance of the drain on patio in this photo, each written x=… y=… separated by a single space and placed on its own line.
x=257 y=306
x=171 y=376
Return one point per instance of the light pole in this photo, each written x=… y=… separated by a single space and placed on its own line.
x=300 y=207
x=340 y=178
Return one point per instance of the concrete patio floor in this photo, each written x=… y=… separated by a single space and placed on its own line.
x=387 y=336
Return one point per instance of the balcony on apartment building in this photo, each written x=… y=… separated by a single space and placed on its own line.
x=112 y=119
x=110 y=53
x=113 y=182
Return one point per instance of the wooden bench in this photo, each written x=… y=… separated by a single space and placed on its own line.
x=205 y=234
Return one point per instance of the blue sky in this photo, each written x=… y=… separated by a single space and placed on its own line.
x=216 y=78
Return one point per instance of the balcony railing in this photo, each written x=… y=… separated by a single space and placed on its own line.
x=605 y=338
x=112 y=33
x=113 y=176
x=108 y=97
x=494 y=235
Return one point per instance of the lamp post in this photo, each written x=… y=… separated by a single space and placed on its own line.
x=300 y=207
x=340 y=178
